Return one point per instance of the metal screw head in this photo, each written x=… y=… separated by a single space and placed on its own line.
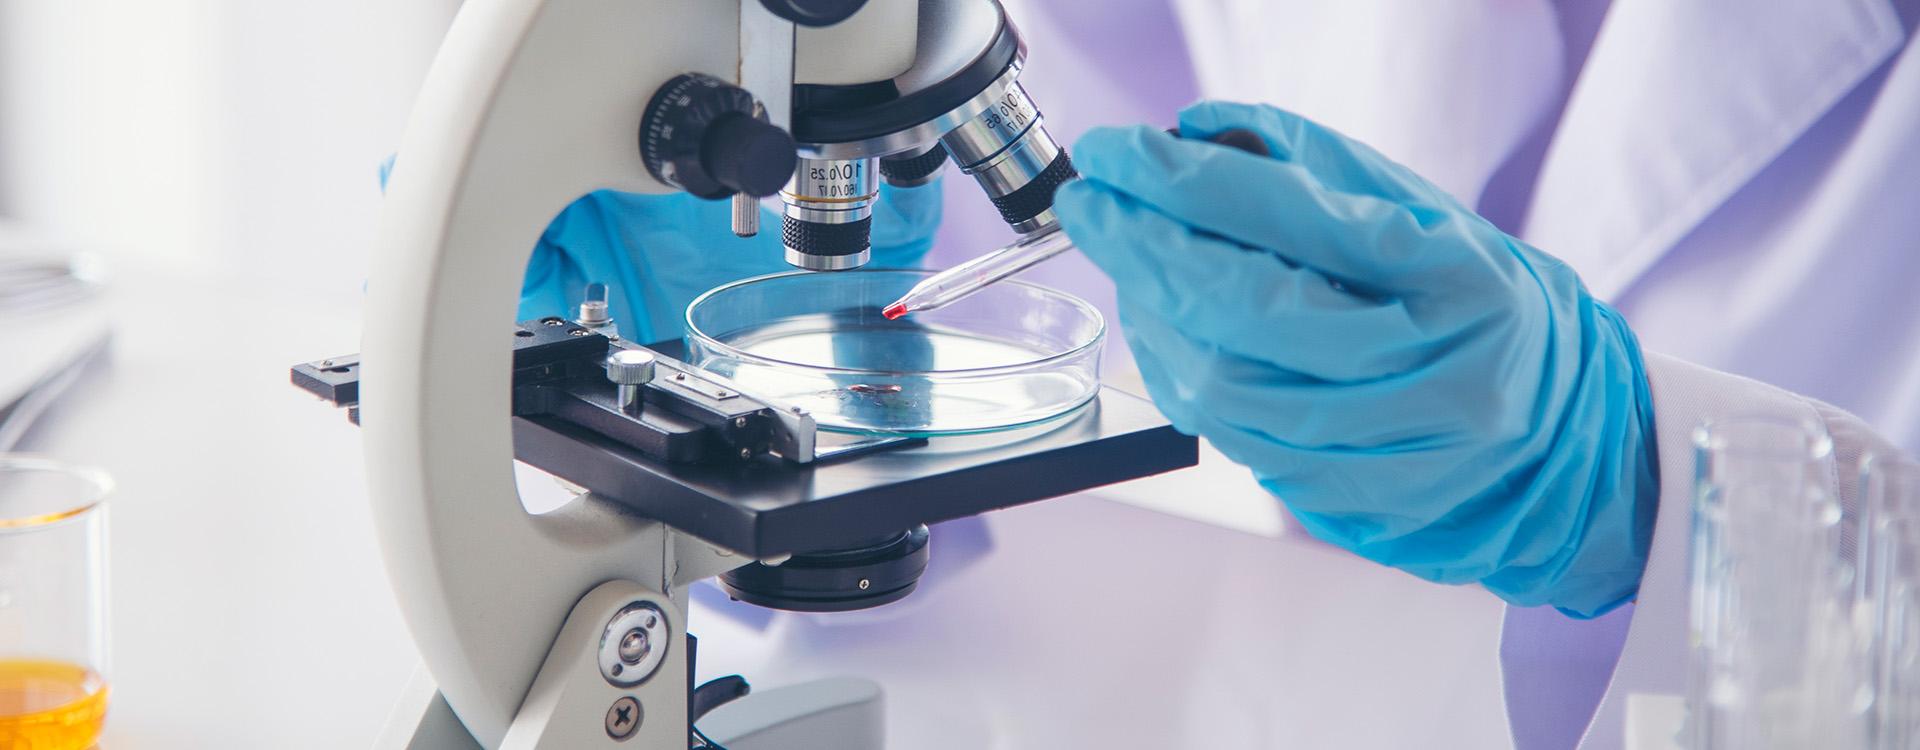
x=631 y=367
x=593 y=315
x=634 y=646
x=746 y=453
x=864 y=583
x=579 y=332
x=623 y=718
x=740 y=422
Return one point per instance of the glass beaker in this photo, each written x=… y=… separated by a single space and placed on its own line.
x=1890 y=591
x=1776 y=661
x=53 y=650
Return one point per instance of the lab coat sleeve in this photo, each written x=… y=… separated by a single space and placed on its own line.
x=1684 y=396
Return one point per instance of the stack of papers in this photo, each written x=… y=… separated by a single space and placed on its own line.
x=53 y=326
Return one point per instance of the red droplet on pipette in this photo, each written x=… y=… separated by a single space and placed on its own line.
x=894 y=311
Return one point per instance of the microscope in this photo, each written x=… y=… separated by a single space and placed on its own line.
x=568 y=629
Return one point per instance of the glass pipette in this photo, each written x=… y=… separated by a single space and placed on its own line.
x=956 y=283
x=946 y=287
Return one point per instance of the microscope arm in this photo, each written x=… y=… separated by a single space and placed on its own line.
x=521 y=114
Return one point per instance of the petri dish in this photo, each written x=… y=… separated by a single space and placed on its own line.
x=1013 y=355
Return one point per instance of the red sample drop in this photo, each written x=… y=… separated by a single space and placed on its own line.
x=894 y=311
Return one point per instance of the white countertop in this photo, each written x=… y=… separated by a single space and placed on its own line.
x=250 y=609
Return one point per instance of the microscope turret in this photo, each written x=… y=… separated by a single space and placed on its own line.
x=953 y=92
x=959 y=98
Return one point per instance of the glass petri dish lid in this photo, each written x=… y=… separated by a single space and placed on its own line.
x=1013 y=355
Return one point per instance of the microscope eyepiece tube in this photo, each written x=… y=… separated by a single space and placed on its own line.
x=1008 y=151
x=827 y=217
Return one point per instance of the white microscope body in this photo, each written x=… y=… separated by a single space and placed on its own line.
x=567 y=629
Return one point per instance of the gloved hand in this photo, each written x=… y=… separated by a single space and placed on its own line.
x=1416 y=385
x=658 y=252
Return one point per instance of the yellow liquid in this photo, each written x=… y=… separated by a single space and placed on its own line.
x=50 y=705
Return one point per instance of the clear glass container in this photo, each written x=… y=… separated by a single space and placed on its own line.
x=53 y=640
x=1776 y=659
x=1014 y=354
x=1890 y=594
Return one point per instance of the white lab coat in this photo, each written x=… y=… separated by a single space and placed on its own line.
x=1741 y=178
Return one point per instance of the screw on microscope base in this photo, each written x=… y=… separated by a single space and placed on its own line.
x=623 y=718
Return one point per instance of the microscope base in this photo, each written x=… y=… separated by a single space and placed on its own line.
x=573 y=705
x=838 y=713
x=841 y=713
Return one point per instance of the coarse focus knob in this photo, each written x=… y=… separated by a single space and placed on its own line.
x=630 y=367
x=700 y=134
x=813 y=12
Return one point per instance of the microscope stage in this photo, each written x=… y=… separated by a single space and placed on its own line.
x=705 y=463
x=765 y=507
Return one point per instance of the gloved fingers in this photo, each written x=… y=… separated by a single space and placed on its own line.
x=1340 y=162
x=1381 y=501
x=904 y=223
x=1363 y=240
x=1244 y=300
x=1310 y=449
x=1161 y=360
x=1396 y=416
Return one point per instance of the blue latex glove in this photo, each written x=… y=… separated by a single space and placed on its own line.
x=1416 y=385
x=658 y=252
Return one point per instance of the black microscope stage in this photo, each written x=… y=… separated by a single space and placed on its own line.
x=765 y=506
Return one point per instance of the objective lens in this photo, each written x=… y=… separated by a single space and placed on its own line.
x=1008 y=151
x=913 y=169
x=827 y=220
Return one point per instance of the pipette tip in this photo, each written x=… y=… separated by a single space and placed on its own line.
x=894 y=311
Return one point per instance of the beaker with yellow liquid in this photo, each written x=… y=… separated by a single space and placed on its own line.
x=53 y=641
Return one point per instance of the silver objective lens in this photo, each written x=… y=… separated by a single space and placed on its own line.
x=827 y=220
x=1009 y=152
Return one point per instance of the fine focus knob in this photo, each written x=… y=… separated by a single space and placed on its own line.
x=700 y=134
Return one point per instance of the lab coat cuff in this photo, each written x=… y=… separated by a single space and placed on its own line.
x=1684 y=396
